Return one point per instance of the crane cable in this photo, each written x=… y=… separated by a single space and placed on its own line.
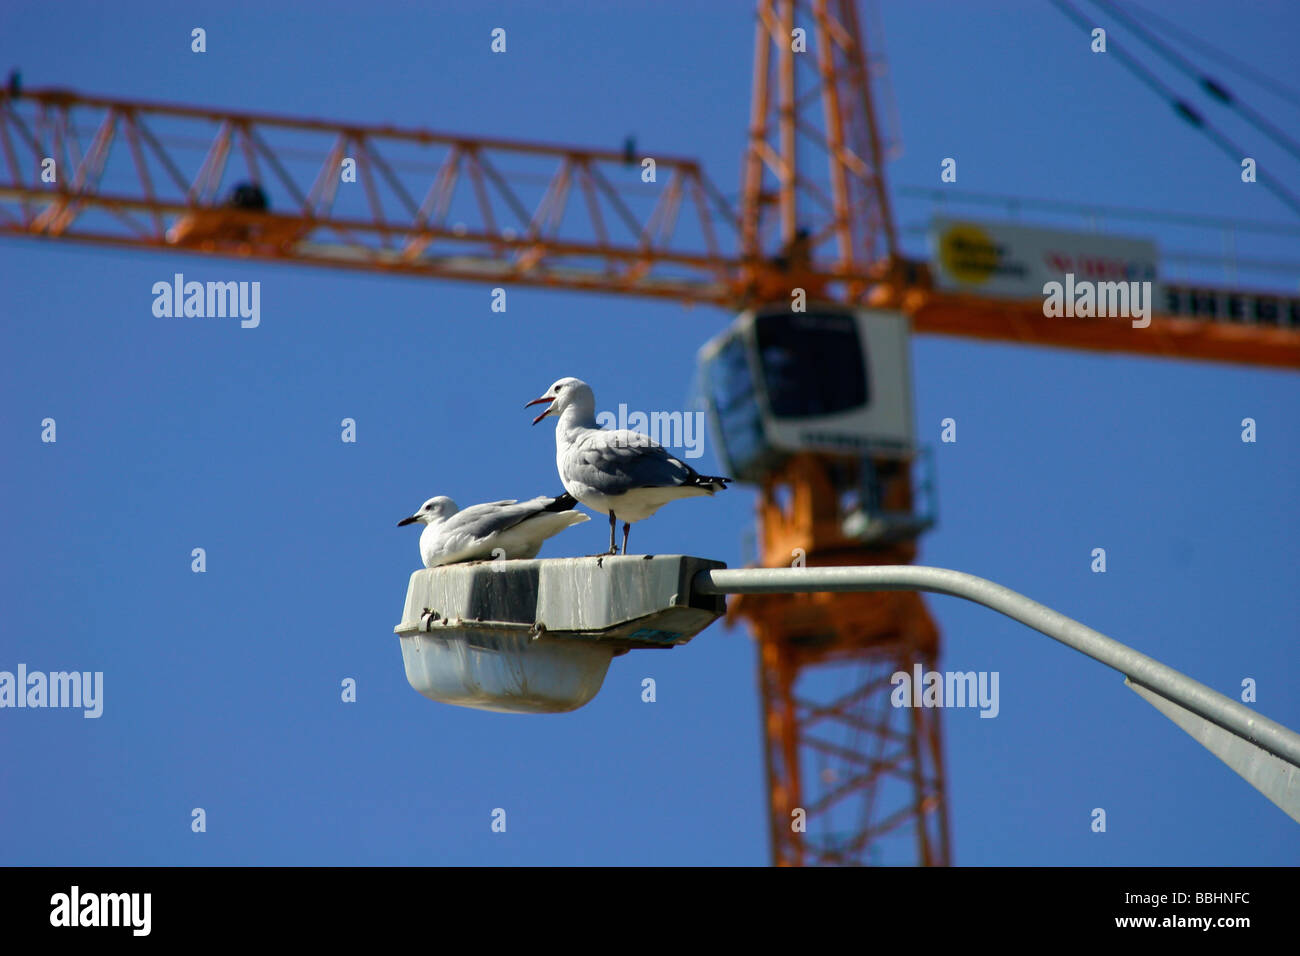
x=1184 y=110
x=1211 y=86
x=1231 y=63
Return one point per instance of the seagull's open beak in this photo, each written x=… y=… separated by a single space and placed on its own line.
x=538 y=401
x=410 y=520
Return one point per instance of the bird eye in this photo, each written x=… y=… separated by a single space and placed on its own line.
x=558 y=387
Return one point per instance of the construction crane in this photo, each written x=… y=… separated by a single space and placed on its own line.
x=813 y=219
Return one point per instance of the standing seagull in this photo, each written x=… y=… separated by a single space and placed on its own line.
x=515 y=528
x=615 y=471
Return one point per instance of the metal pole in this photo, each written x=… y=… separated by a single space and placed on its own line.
x=1209 y=704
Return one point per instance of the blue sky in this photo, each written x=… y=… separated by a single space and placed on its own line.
x=222 y=688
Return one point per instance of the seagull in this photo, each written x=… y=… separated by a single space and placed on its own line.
x=481 y=532
x=615 y=472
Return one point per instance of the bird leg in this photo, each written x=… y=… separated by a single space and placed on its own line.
x=627 y=526
x=613 y=523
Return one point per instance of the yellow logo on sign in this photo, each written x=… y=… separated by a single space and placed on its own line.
x=968 y=253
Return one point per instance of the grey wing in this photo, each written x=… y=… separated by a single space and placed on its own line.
x=480 y=521
x=614 y=463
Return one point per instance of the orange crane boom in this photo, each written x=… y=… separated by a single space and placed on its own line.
x=124 y=169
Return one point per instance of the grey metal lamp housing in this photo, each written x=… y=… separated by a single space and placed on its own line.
x=536 y=637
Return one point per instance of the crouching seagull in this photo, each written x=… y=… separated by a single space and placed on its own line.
x=513 y=529
x=615 y=471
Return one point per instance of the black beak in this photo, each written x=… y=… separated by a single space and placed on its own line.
x=538 y=401
x=410 y=520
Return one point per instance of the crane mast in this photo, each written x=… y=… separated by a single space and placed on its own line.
x=844 y=768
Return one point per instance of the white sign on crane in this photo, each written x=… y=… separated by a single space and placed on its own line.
x=1016 y=262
